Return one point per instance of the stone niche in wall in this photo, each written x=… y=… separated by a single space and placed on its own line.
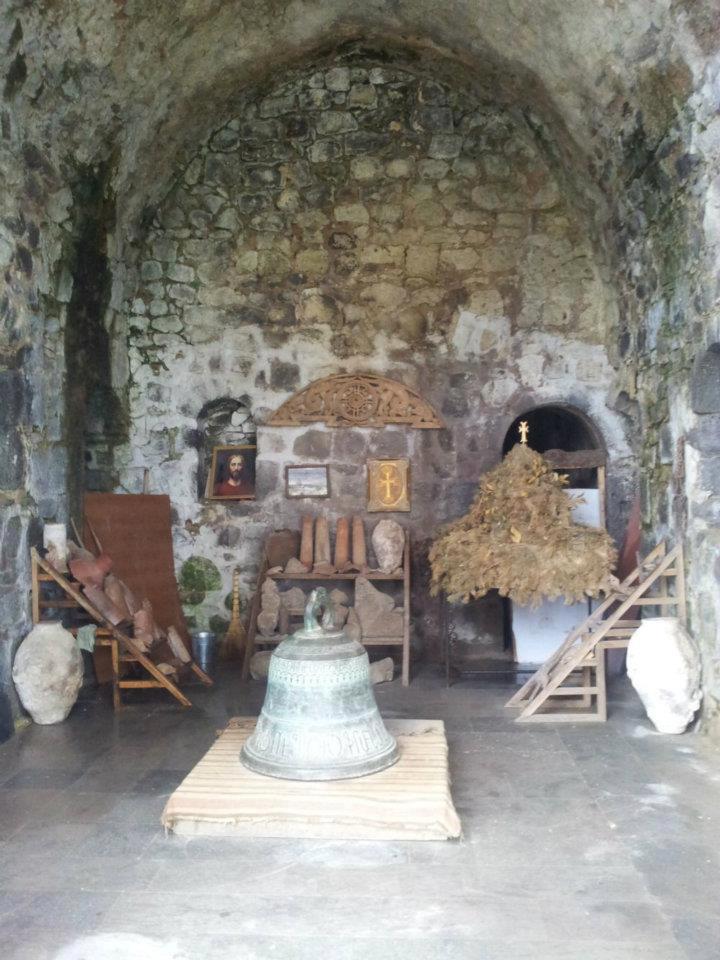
x=222 y=422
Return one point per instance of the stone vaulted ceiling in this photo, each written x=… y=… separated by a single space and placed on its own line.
x=133 y=80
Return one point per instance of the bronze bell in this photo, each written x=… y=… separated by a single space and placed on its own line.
x=319 y=720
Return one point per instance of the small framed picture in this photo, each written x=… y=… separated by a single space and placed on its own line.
x=388 y=485
x=307 y=480
x=232 y=474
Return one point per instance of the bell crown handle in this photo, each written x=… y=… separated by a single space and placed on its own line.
x=317 y=601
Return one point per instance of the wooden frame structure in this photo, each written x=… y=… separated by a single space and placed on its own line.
x=123 y=648
x=575 y=674
x=253 y=640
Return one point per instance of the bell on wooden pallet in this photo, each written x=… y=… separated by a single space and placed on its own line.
x=320 y=720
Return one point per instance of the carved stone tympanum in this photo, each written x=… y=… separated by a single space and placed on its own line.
x=356 y=400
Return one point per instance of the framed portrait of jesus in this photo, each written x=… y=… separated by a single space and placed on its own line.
x=388 y=486
x=232 y=473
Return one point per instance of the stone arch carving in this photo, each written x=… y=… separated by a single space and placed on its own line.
x=356 y=400
x=705 y=383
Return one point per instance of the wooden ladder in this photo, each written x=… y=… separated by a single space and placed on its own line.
x=575 y=673
x=123 y=648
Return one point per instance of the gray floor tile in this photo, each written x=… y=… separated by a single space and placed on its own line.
x=580 y=843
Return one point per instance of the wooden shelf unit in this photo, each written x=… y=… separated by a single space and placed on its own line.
x=254 y=640
x=123 y=649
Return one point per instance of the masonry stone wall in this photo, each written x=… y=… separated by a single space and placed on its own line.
x=98 y=101
x=361 y=218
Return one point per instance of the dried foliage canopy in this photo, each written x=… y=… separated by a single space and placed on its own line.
x=520 y=539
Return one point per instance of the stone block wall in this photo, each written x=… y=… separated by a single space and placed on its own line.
x=360 y=218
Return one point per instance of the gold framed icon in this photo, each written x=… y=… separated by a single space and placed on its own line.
x=388 y=486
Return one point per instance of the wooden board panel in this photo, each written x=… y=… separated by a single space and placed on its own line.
x=409 y=801
x=134 y=530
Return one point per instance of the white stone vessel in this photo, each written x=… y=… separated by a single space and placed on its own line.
x=663 y=664
x=48 y=672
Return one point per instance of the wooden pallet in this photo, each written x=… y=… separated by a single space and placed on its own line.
x=575 y=674
x=123 y=648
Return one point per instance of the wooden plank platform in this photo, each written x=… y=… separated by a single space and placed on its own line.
x=409 y=801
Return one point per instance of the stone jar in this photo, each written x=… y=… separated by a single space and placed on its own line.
x=663 y=664
x=48 y=672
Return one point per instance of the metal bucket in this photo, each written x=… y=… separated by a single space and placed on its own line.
x=203 y=648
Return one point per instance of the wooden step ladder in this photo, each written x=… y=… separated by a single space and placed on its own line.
x=574 y=675
x=123 y=648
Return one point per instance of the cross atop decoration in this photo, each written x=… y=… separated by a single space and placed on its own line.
x=524 y=430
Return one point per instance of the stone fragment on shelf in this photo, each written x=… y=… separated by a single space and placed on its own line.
x=377 y=613
x=388 y=540
x=293 y=600
x=352 y=625
x=382 y=670
x=260 y=664
x=267 y=620
x=295 y=566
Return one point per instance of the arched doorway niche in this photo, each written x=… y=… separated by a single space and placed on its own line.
x=572 y=443
x=569 y=438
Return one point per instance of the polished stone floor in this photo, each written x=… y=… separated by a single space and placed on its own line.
x=580 y=842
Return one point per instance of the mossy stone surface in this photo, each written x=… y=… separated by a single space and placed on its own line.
x=198 y=576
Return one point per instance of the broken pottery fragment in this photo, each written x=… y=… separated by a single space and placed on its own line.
x=48 y=672
x=388 y=540
x=342 y=543
x=143 y=629
x=177 y=646
x=306 y=542
x=168 y=670
x=294 y=566
x=91 y=573
x=663 y=664
x=102 y=602
x=322 y=562
x=359 y=549
x=157 y=631
x=117 y=592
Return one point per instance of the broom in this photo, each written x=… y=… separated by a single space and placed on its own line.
x=234 y=640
